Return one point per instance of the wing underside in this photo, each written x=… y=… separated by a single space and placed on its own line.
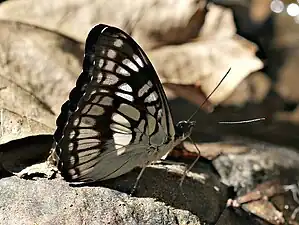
x=116 y=112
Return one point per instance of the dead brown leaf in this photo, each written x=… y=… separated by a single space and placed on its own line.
x=212 y=150
x=151 y=22
x=14 y=126
x=205 y=63
x=253 y=88
x=206 y=60
x=40 y=61
x=16 y=99
x=266 y=210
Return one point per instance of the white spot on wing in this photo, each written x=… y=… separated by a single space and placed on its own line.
x=143 y=90
x=151 y=124
x=120 y=119
x=118 y=43
x=151 y=110
x=101 y=63
x=110 y=79
x=111 y=53
x=119 y=128
x=138 y=60
x=125 y=96
x=152 y=97
x=76 y=122
x=122 y=139
x=125 y=87
x=98 y=77
x=130 y=64
x=106 y=100
x=109 y=65
x=159 y=114
x=96 y=110
x=122 y=71
x=130 y=111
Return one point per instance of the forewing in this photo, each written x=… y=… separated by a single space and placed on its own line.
x=116 y=111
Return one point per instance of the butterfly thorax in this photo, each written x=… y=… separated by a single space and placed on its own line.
x=183 y=130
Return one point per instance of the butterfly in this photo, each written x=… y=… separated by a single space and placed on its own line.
x=117 y=117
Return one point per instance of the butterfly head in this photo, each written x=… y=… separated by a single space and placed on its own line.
x=183 y=129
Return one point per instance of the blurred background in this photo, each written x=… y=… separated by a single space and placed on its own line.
x=191 y=43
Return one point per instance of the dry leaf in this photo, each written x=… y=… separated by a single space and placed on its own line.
x=41 y=62
x=205 y=63
x=191 y=92
x=219 y=24
x=15 y=98
x=265 y=209
x=212 y=150
x=14 y=126
x=254 y=88
x=152 y=22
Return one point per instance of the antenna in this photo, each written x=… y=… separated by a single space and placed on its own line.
x=207 y=98
x=243 y=121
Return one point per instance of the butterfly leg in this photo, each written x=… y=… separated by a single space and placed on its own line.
x=191 y=166
x=137 y=180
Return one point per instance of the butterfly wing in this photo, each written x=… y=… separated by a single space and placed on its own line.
x=117 y=117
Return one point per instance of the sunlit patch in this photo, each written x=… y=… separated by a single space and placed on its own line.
x=125 y=87
x=110 y=79
x=106 y=100
x=152 y=97
x=125 y=96
x=119 y=119
x=138 y=60
x=129 y=111
x=130 y=64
